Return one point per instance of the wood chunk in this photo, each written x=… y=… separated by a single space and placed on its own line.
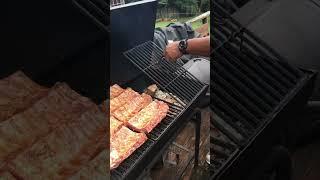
x=124 y=143
x=47 y=156
x=18 y=92
x=127 y=96
x=152 y=89
x=115 y=125
x=126 y=112
x=149 y=117
x=115 y=91
x=59 y=106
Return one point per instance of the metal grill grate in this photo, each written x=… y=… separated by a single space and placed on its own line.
x=170 y=76
x=96 y=10
x=249 y=81
x=140 y=155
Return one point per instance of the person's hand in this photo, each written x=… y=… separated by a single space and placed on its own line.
x=172 y=51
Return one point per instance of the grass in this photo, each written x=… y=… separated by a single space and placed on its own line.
x=194 y=25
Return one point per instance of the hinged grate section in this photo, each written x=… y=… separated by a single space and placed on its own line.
x=249 y=79
x=170 y=76
x=96 y=10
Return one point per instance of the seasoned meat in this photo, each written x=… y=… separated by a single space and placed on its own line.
x=126 y=112
x=124 y=143
x=149 y=117
x=115 y=125
x=115 y=91
x=18 y=92
x=47 y=156
x=60 y=105
x=127 y=96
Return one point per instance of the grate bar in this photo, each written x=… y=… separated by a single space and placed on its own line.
x=222 y=143
x=243 y=78
x=233 y=91
x=237 y=106
x=222 y=72
x=169 y=76
x=220 y=103
x=278 y=91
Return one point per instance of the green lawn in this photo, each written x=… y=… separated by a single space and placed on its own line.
x=195 y=25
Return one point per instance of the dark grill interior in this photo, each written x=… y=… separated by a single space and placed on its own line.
x=250 y=82
x=170 y=78
x=97 y=10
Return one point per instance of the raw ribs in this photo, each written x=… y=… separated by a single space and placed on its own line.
x=104 y=106
x=127 y=96
x=46 y=157
x=60 y=105
x=115 y=91
x=6 y=176
x=115 y=125
x=85 y=156
x=96 y=169
x=18 y=92
x=124 y=143
x=126 y=112
x=149 y=117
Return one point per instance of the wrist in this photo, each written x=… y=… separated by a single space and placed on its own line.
x=183 y=45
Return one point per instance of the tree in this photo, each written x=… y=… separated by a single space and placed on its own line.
x=205 y=5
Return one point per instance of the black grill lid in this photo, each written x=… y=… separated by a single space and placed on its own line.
x=131 y=24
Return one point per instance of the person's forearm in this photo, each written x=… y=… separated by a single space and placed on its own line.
x=199 y=46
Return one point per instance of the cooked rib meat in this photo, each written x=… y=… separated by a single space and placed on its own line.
x=122 y=99
x=124 y=143
x=115 y=91
x=18 y=92
x=60 y=105
x=126 y=112
x=47 y=156
x=115 y=125
x=149 y=117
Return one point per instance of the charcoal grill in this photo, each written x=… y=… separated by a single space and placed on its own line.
x=255 y=96
x=171 y=78
x=137 y=62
